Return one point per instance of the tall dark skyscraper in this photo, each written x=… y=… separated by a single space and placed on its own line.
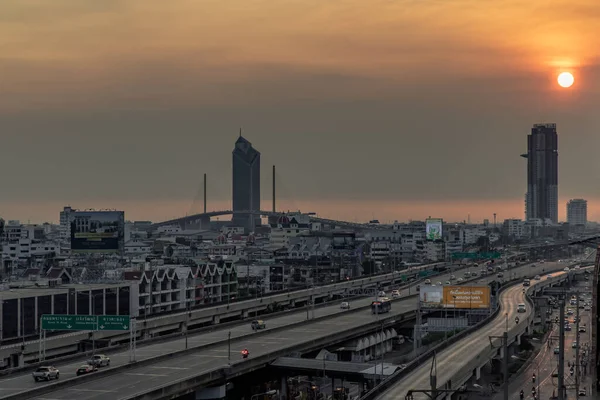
x=541 y=200
x=246 y=183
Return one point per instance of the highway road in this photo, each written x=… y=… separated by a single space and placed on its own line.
x=195 y=363
x=545 y=364
x=455 y=358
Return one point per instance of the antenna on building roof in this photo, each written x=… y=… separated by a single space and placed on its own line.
x=240 y=132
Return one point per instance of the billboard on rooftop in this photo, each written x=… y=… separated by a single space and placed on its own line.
x=97 y=231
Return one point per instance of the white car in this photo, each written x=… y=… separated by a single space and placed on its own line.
x=345 y=305
x=427 y=281
x=537 y=277
x=381 y=294
x=566 y=269
x=395 y=293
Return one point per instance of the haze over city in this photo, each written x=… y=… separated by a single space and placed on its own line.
x=379 y=109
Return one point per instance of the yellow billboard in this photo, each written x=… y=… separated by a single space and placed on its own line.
x=470 y=297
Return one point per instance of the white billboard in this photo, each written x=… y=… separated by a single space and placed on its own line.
x=431 y=296
x=433 y=228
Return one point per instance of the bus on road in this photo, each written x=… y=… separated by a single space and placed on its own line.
x=381 y=305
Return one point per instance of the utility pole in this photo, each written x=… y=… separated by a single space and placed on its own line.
x=561 y=351
x=504 y=345
x=577 y=348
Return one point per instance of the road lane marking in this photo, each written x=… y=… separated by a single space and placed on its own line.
x=19 y=389
x=207 y=355
x=155 y=375
x=93 y=390
x=169 y=368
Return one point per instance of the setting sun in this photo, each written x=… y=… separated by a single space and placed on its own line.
x=566 y=79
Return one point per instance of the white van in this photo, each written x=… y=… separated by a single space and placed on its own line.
x=521 y=308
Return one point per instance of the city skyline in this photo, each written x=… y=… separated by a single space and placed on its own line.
x=368 y=111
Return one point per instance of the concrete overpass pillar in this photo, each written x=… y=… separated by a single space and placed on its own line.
x=283 y=390
x=205 y=223
x=216 y=319
x=21 y=359
x=244 y=314
x=477 y=373
x=519 y=339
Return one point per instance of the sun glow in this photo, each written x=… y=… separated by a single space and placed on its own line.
x=566 y=79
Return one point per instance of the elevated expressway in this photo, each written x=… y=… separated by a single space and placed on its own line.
x=66 y=343
x=167 y=369
x=463 y=360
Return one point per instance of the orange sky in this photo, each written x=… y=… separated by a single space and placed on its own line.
x=421 y=104
x=80 y=45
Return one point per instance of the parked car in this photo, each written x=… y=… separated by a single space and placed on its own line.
x=45 y=374
x=99 y=360
x=86 y=369
x=259 y=324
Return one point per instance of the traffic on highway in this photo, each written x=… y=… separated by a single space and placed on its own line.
x=137 y=379
x=456 y=358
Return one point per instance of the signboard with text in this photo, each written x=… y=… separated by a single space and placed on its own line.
x=113 y=322
x=463 y=297
x=69 y=322
x=433 y=229
x=85 y=322
x=469 y=297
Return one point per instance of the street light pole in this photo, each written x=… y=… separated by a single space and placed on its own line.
x=187 y=324
x=96 y=324
x=229 y=347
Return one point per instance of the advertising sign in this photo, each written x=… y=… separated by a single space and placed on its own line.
x=97 y=231
x=343 y=240
x=469 y=297
x=433 y=228
x=431 y=296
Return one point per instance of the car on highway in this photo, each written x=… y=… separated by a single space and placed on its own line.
x=448 y=283
x=260 y=324
x=582 y=329
x=381 y=293
x=86 y=369
x=574 y=345
x=521 y=308
x=566 y=269
x=587 y=308
x=427 y=281
x=582 y=392
x=537 y=277
x=557 y=350
x=99 y=360
x=45 y=374
x=460 y=280
x=567 y=327
x=452 y=277
x=395 y=293
x=500 y=275
x=345 y=305
x=439 y=283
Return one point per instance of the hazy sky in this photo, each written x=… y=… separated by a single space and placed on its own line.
x=392 y=109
